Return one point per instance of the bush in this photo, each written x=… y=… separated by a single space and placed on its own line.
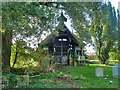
x=12 y=81
x=113 y=55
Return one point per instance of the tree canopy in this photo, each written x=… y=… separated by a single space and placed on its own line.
x=23 y=20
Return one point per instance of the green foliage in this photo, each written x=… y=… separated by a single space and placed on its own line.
x=78 y=13
x=113 y=55
x=103 y=29
x=22 y=20
x=104 y=55
x=96 y=28
x=42 y=57
x=85 y=55
x=92 y=57
x=24 y=55
x=114 y=52
x=12 y=81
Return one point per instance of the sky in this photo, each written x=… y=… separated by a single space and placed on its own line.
x=115 y=3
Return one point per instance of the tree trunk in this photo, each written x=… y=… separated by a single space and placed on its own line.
x=100 y=60
x=6 y=49
x=15 y=56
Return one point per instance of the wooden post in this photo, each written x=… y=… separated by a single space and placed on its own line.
x=73 y=62
x=48 y=63
x=61 y=51
x=68 y=58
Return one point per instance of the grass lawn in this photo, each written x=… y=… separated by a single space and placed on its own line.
x=74 y=77
x=89 y=79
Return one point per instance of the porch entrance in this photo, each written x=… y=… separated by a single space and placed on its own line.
x=61 y=49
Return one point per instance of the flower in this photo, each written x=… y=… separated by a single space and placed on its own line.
x=110 y=81
x=107 y=75
x=105 y=78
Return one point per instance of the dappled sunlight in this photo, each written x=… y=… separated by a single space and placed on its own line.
x=101 y=65
x=26 y=63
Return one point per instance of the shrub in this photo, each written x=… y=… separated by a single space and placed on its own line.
x=12 y=81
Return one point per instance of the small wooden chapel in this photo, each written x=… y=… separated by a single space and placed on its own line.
x=64 y=45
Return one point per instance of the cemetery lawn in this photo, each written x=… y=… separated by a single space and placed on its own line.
x=91 y=81
x=74 y=77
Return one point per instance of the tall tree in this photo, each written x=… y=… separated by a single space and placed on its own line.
x=103 y=29
x=24 y=20
x=119 y=34
x=110 y=32
x=96 y=28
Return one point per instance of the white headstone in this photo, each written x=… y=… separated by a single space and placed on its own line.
x=116 y=71
x=99 y=72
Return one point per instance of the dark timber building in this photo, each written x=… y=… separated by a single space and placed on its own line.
x=63 y=45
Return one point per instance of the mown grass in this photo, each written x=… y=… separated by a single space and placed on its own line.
x=91 y=80
x=74 y=77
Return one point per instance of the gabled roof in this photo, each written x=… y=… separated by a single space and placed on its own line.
x=50 y=38
x=47 y=39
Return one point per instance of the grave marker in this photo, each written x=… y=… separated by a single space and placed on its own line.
x=99 y=72
x=116 y=71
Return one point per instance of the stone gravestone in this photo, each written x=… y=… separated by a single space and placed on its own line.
x=99 y=72
x=116 y=71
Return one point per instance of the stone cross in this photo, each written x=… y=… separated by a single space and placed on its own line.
x=99 y=72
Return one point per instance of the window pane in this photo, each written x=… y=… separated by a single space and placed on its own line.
x=64 y=39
